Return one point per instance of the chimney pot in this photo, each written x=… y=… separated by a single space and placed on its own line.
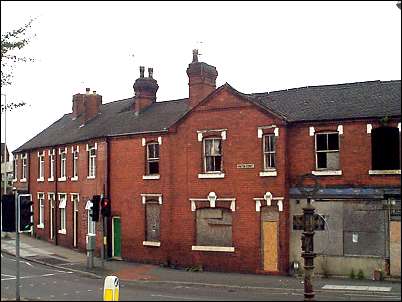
x=87 y=90
x=142 y=69
x=150 y=72
x=94 y=92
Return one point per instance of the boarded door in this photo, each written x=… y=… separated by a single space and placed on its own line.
x=270 y=243
x=116 y=237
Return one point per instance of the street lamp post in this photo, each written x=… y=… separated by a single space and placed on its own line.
x=309 y=223
x=5 y=143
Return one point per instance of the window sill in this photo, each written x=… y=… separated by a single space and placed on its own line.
x=206 y=248
x=151 y=177
x=327 y=172
x=268 y=173
x=90 y=177
x=384 y=172
x=62 y=232
x=211 y=175
x=23 y=180
x=62 y=179
x=40 y=226
x=50 y=179
x=40 y=179
x=151 y=243
x=74 y=178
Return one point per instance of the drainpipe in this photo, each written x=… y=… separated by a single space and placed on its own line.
x=55 y=174
x=107 y=224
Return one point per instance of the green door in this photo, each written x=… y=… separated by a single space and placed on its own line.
x=116 y=237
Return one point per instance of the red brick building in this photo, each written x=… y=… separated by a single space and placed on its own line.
x=207 y=180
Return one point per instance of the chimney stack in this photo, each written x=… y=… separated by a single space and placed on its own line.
x=201 y=80
x=145 y=89
x=86 y=106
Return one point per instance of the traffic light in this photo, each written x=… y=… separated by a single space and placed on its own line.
x=26 y=214
x=8 y=213
x=106 y=207
x=95 y=207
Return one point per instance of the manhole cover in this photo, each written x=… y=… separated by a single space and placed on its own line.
x=49 y=260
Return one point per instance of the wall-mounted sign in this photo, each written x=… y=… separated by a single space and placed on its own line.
x=245 y=166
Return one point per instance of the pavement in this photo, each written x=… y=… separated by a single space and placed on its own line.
x=46 y=253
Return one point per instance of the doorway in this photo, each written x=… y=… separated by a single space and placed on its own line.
x=116 y=237
x=75 y=219
x=51 y=199
x=270 y=242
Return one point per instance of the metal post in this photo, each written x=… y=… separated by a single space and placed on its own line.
x=308 y=254
x=17 y=248
x=5 y=144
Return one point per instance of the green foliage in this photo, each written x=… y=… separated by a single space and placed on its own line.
x=12 y=106
x=11 y=43
x=352 y=274
x=360 y=275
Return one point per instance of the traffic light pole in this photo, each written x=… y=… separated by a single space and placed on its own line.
x=17 y=249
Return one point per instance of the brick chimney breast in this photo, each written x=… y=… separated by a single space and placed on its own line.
x=86 y=106
x=201 y=79
x=145 y=89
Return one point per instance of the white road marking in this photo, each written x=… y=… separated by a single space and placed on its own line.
x=77 y=291
x=51 y=296
x=7 y=275
x=31 y=285
x=374 y=296
x=176 y=297
x=360 y=288
x=89 y=290
x=35 y=276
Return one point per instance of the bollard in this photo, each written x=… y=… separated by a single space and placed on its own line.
x=111 y=289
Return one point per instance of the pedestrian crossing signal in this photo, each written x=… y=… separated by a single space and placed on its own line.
x=26 y=213
x=95 y=207
x=8 y=213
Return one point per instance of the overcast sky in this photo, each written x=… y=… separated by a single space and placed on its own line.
x=255 y=46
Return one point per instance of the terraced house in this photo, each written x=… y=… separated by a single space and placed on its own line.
x=210 y=179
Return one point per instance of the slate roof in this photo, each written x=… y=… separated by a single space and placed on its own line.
x=332 y=102
x=317 y=103
x=115 y=118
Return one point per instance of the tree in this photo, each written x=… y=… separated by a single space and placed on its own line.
x=11 y=43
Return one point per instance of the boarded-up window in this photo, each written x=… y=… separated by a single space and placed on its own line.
x=364 y=228
x=152 y=214
x=385 y=148
x=214 y=227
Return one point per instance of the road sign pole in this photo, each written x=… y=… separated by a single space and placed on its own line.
x=17 y=249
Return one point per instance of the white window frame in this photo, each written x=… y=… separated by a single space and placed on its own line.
x=152 y=159
x=63 y=213
x=63 y=164
x=15 y=168
x=92 y=161
x=326 y=171
x=51 y=165
x=41 y=206
x=205 y=157
x=269 y=153
x=75 y=163
x=24 y=159
x=41 y=166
